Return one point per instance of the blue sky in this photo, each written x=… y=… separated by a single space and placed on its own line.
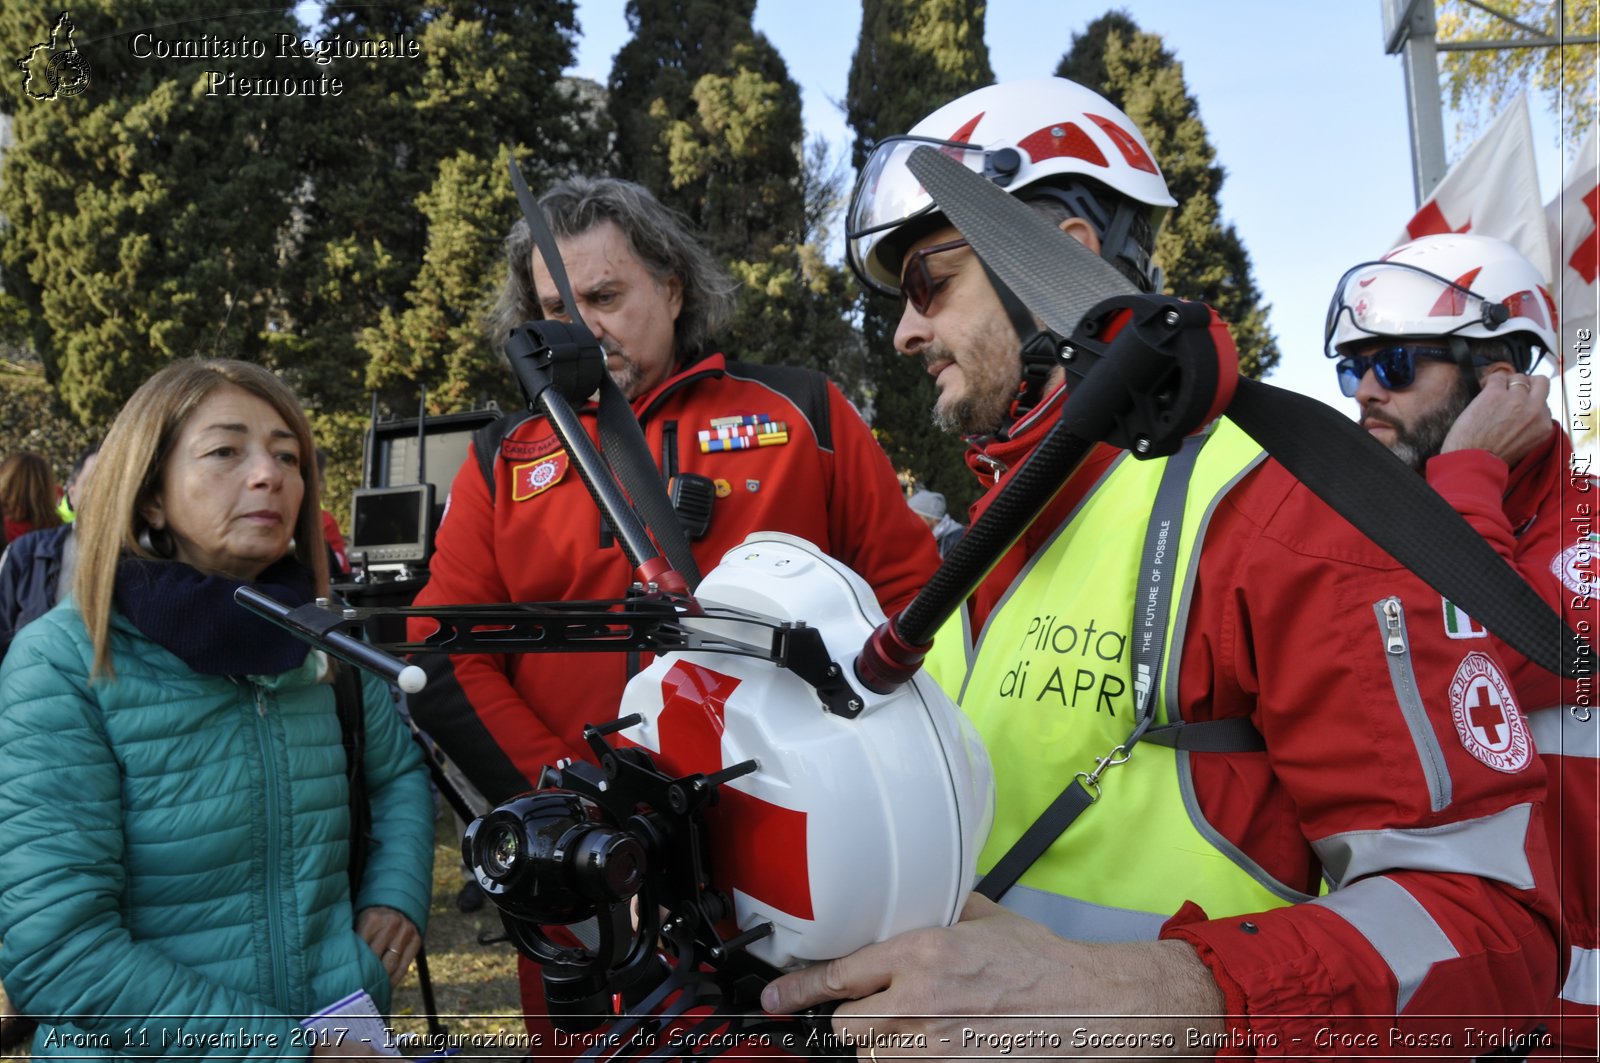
x=1305 y=112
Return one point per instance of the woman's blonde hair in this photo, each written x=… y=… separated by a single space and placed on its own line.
x=129 y=473
x=27 y=490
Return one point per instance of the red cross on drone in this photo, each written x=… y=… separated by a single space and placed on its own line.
x=755 y=845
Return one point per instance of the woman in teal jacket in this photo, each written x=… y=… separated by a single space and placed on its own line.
x=174 y=812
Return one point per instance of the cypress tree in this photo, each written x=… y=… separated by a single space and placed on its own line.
x=708 y=119
x=141 y=212
x=395 y=253
x=148 y=221
x=1203 y=257
x=912 y=57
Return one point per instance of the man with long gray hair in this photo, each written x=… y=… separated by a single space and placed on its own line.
x=521 y=528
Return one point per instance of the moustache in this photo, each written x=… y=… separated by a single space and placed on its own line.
x=1372 y=414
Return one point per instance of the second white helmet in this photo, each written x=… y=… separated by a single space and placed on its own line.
x=1455 y=284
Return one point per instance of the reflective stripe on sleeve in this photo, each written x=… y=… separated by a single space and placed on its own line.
x=1583 y=978
x=1492 y=847
x=1397 y=927
x=1557 y=731
x=1081 y=920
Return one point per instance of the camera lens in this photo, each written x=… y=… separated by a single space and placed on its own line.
x=500 y=850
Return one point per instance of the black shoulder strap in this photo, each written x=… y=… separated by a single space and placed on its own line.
x=486 y=444
x=1394 y=507
x=351 y=709
x=807 y=389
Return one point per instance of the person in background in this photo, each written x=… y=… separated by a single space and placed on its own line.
x=1437 y=343
x=930 y=506
x=36 y=569
x=330 y=526
x=27 y=495
x=175 y=812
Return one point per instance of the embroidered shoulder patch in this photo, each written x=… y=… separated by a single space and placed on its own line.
x=536 y=477
x=1486 y=715
x=1459 y=625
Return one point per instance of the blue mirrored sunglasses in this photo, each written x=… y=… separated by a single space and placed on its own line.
x=1395 y=365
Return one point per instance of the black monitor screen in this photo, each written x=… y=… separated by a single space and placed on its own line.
x=389 y=523
x=385 y=519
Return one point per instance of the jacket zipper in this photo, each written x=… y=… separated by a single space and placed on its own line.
x=1402 y=674
x=278 y=949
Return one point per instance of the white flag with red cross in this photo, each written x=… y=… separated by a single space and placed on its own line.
x=1493 y=190
x=1573 y=233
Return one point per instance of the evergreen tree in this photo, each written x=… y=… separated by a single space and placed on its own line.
x=1203 y=257
x=912 y=57
x=392 y=276
x=142 y=212
x=708 y=119
x=317 y=234
x=437 y=340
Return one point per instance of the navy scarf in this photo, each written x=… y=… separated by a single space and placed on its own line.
x=193 y=615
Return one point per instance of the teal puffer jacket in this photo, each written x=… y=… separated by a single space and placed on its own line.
x=173 y=847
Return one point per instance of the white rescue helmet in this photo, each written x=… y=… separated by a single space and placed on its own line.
x=1454 y=284
x=1017 y=134
x=850 y=831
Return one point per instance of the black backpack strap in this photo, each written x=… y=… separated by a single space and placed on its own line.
x=486 y=444
x=349 y=705
x=1389 y=503
x=1236 y=734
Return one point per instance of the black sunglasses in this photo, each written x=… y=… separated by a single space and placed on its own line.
x=1395 y=365
x=916 y=283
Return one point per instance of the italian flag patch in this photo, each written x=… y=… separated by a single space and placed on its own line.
x=1459 y=625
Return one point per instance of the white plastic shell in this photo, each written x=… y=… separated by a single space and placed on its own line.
x=897 y=801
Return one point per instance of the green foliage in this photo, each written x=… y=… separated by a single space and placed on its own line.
x=438 y=336
x=912 y=57
x=31 y=418
x=126 y=246
x=1479 y=84
x=708 y=119
x=317 y=234
x=1203 y=257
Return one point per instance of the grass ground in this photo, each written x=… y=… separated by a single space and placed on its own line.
x=474 y=986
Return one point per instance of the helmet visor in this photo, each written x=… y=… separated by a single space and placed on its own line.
x=1396 y=299
x=886 y=197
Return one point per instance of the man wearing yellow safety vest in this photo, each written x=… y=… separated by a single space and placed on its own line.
x=1365 y=874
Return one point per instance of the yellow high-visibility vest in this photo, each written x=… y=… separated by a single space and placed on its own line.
x=1095 y=617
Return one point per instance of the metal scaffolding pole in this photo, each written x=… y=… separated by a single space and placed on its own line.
x=1408 y=29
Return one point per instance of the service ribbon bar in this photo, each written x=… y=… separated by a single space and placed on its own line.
x=711 y=445
x=766 y=428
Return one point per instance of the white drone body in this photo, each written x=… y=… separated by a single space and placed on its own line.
x=850 y=830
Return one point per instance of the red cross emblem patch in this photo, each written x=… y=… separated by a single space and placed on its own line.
x=536 y=477
x=1486 y=715
x=1575 y=568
